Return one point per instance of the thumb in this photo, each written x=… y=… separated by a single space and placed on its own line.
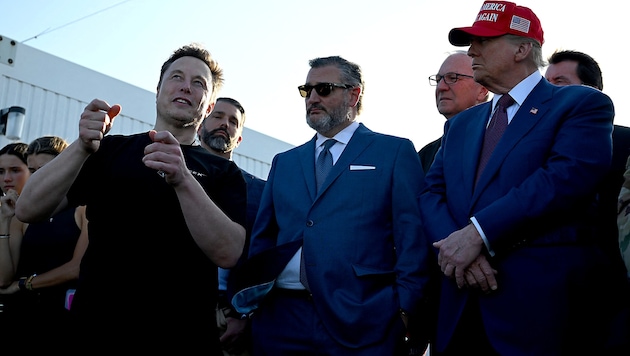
x=152 y=135
x=114 y=111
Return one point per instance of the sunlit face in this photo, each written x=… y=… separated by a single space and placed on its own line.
x=222 y=129
x=451 y=99
x=183 y=98
x=563 y=73
x=324 y=113
x=492 y=61
x=13 y=172
x=37 y=161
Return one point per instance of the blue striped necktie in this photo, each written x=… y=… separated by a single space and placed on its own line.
x=322 y=168
x=324 y=163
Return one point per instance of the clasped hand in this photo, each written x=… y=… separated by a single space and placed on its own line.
x=460 y=258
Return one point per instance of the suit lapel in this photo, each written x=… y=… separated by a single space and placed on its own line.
x=360 y=140
x=528 y=115
x=473 y=143
x=307 y=160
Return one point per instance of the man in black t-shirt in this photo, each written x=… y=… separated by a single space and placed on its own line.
x=163 y=214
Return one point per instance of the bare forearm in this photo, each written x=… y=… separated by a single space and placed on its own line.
x=10 y=244
x=215 y=233
x=6 y=262
x=66 y=272
x=46 y=189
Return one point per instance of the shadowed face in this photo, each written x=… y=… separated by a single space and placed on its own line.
x=13 y=172
x=222 y=130
x=563 y=73
x=330 y=112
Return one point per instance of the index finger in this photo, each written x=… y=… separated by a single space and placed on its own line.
x=459 y=277
x=98 y=105
x=490 y=274
x=162 y=136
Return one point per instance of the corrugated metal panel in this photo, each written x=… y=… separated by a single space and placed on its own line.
x=55 y=96
x=256 y=167
x=50 y=113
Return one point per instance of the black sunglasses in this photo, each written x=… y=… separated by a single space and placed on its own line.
x=322 y=89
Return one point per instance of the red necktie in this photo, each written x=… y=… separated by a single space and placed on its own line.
x=494 y=131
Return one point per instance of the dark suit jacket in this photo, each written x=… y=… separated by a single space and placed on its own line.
x=255 y=188
x=427 y=154
x=535 y=203
x=608 y=192
x=362 y=235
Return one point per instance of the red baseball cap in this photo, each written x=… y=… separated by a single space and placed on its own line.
x=497 y=18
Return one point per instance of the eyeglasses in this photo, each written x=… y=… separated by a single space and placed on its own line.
x=449 y=78
x=322 y=89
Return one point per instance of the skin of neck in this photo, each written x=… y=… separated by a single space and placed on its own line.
x=184 y=135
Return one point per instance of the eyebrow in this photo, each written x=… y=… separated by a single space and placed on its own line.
x=556 y=77
x=179 y=71
x=223 y=113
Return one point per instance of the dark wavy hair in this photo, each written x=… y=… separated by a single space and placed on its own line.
x=18 y=149
x=351 y=73
x=588 y=69
x=197 y=51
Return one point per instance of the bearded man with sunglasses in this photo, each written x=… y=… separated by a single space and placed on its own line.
x=358 y=238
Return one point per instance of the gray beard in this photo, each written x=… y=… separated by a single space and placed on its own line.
x=217 y=143
x=336 y=117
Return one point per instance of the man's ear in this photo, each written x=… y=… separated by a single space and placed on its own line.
x=355 y=95
x=483 y=94
x=210 y=107
x=522 y=51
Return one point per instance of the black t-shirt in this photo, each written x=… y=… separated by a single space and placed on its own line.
x=142 y=269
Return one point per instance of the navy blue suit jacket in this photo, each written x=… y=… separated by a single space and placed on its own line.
x=255 y=188
x=362 y=235
x=535 y=203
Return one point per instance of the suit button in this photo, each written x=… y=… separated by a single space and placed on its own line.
x=310 y=223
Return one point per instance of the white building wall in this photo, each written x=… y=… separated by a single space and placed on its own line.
x=54 y=93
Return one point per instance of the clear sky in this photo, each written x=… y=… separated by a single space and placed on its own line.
x=264 y=48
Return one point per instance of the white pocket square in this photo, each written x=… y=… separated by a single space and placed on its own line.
x=354 y=167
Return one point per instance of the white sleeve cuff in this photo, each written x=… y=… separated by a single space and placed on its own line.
x=483 y=236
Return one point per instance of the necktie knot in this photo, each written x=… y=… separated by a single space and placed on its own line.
x=328 y=144
x=505 y=102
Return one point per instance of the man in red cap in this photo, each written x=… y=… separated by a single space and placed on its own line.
x=509 y=205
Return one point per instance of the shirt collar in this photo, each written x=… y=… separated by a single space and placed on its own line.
x=342 y=136
x=520 y=92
